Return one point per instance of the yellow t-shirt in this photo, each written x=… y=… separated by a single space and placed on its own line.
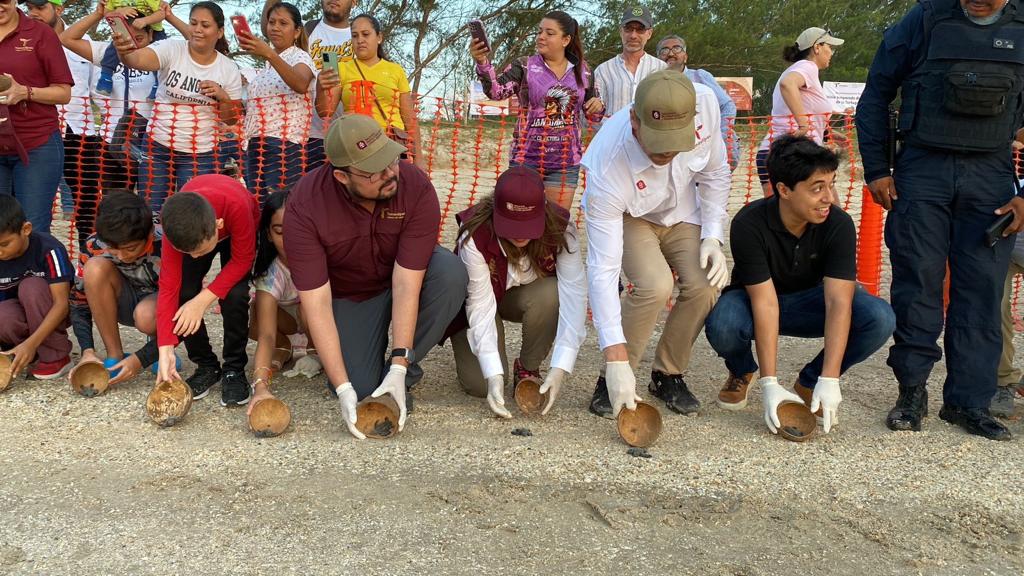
x=389 y=81
x=145 y=8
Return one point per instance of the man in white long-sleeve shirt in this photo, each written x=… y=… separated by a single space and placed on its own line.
x=647 y=216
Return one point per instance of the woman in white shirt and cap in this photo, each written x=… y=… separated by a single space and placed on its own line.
x=523 y=258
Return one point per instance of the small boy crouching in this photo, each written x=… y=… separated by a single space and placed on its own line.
x=212 y=215
x=116 y=283
x=35 y=280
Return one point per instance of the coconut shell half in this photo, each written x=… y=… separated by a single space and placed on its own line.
x=797 y=423
x=269 y=417
x=377 y=417
x=5 y=369
x=528 y=397
x=90 y=379
x=640 y=427
x=169 y=402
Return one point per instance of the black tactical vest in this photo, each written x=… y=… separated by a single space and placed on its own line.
x=966 y=94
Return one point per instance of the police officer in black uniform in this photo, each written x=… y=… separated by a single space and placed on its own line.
x=958 y=66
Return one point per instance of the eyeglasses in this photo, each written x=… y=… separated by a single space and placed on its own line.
x=376 y=176
x=671 y=50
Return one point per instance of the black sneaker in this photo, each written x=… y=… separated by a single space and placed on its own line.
x=234 y=389
x=600 y=404
x=671 y=388
x=202 y=380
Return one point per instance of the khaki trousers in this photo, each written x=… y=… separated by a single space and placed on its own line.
x=1008 y=375
x=535 y=306
x=650 y=253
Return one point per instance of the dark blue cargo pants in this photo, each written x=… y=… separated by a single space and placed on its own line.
x=946 y=201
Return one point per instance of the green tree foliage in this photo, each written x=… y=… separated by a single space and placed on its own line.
x=731 y=38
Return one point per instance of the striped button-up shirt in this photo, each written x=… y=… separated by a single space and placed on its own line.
x=616 y=84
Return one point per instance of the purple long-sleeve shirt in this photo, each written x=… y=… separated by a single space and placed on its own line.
x=547 y=134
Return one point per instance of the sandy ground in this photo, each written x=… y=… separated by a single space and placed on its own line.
x=90 y=486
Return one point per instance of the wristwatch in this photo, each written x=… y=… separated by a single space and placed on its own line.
x=403 y=353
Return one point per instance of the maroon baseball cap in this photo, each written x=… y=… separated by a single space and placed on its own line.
x=519 y=204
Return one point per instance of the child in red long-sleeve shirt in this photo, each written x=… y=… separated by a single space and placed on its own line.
x=213 y=214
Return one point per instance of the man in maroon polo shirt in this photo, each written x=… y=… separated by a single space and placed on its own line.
x=31 y=151
x=361 y=239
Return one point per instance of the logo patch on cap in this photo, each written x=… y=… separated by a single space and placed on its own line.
x=656 y=114
x=518 y=207
x=361 y=144
x=638 y=11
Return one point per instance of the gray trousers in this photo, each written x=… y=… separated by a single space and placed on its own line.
x=363 y=326
x=535 y=306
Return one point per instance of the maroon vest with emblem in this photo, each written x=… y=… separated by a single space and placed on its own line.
x=487 y=243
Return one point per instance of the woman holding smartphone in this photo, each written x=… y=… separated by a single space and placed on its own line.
x=372 y=85
x=34 y=81
x=555 y=91
x=279 y=111
x=200 y=89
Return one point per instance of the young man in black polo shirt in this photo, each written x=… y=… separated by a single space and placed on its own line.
x=795 y=274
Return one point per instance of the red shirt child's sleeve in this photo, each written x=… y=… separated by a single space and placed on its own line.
x=168 y=295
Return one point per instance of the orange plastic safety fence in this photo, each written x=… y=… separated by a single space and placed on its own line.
x=155 y=149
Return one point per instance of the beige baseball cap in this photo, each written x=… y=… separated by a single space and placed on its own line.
x=357 y=140
x=813 y=36
x=665 y=103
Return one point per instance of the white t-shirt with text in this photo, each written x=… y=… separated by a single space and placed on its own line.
x=111 y=108
x=327 y=38
x=191 y=127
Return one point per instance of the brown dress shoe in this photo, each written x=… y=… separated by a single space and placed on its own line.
x=805 y=394
x=733 y=395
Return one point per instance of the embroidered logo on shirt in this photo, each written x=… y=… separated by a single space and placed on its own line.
x=640 y=184
x=387 y=214
x=24 y=45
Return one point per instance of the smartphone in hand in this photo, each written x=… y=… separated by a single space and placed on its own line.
x=476 y=30
x=330 y=62
x=994 y=233
x=241 y=25
x=119 y=25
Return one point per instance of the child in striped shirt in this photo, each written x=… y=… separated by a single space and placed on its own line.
x=35 y=280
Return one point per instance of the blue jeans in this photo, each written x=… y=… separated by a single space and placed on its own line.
x=946 y=202
x=163 y=171
x=315 y=154
x=730 y=328
x=272 y=164
x=34 y=185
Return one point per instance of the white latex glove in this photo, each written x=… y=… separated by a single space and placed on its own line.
x=308 y=366
x=713 y=260
x=394 y=384
x=827 y=397
x=552 y=385
x=496 y=395
x=771 y=396
x=621 y=386
x=348 y=399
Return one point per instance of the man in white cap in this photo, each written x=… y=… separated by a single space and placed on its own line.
x=362 y=245
x=647 y=216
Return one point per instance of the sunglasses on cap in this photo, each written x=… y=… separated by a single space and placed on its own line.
x=822 y=37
